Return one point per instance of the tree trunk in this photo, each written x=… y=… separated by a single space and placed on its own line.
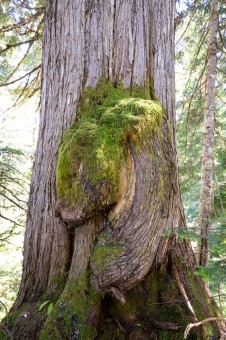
x=105 y=207
x=206 y=192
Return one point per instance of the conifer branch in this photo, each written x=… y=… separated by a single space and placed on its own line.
x=22 y=77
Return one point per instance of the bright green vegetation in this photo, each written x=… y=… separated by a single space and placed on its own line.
x=21 y=25
x=94 y=149
x=16 y=150
x=69 y=316
x=190 y=108
x=10 y=272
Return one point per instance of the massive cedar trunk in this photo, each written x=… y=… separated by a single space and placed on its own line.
x=102 y=245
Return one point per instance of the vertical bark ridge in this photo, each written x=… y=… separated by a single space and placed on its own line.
x=206 y=192
x=62 y=77
x=163 y=66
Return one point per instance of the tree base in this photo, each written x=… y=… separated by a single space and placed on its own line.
x=159 y=307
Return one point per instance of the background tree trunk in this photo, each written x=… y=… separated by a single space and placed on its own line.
x=129 y=44
x=206 y=192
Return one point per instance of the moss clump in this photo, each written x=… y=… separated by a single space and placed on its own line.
x=94 y=149
x=69 y=317
x=105 y=253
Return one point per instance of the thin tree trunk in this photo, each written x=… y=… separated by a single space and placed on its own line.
x=104 y=262
x=206 y=191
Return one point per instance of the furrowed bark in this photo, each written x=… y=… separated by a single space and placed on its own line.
x=206 y=191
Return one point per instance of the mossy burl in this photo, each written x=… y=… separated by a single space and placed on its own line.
x=93 y=150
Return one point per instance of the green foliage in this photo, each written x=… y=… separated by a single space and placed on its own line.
x=191 y=48
x=47 y=304
x=182 y=233
x=94 y=149
x=15 y=162
x=203 y=272
x=21 y=27
x=44 y=304
x=12 y=193
x=10 y=273
x=192 y=37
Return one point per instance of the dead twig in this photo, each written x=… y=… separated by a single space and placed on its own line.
x=197 y=324
x=183 y=293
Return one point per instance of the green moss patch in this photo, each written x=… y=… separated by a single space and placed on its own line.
x=105 y=253
x=69 y=319
x=94 y=149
